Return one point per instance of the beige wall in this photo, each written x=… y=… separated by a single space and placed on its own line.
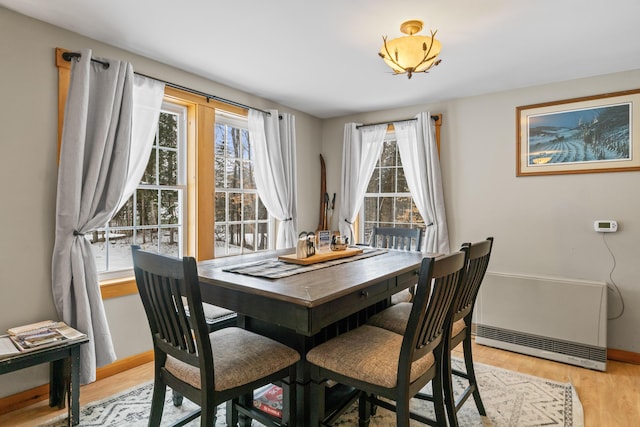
x=28 y=132
x=543 y=225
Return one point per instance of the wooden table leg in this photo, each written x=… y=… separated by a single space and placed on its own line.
x=74 y=393
x=57 y=386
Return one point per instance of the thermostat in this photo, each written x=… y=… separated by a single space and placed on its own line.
x=605 y=226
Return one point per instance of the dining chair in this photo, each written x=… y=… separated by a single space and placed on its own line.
x=395 y=319
x=479 y=255
x=207 y=368
x=385 y=365
x=407 y=239
x=216 y=318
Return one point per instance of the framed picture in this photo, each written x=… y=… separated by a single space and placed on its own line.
x=580 y=135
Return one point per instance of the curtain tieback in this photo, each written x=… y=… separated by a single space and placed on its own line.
x=430 y=224
x=288 y=219
x=348 y=222
x=77 y=233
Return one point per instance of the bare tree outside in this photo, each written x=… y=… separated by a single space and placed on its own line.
x=242 y=221
x=151 y=217
x=388 y=201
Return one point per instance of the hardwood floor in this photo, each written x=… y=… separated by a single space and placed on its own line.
x=609 y=399
x=40 y=412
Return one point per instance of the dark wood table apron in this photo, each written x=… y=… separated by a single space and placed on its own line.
x=306 y=309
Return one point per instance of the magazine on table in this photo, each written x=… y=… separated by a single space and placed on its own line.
x=7 y=347
x=39 y=335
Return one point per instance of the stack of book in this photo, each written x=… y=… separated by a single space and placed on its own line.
x=268 y=399
x=42 y=334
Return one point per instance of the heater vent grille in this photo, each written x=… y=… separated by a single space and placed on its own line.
x=543 y=343
x=550 y=317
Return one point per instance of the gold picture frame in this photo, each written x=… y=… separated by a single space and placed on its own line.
x=579 y=135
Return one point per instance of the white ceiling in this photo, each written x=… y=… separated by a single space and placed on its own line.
x=321 y=57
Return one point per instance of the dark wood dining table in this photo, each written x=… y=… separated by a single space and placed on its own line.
x=303 y=310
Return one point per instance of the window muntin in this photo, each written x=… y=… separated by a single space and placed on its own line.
x=242 y=223
x=154 y=216
x=388 y=201
x=197 y=210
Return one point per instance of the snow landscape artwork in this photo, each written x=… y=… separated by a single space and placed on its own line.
x=595 y=134
x=576 y=137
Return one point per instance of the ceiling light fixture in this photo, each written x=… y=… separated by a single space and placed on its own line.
x=411 y=54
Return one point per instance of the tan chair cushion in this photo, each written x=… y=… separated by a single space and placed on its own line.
x=402 y=296
x=457 y=327
x=239 y=357
x=367 y=354
x=395 y=319
x=213 y=312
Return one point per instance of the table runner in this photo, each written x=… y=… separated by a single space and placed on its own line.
x=273 y=268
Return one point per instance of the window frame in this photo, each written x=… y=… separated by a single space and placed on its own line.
x=200 y=117
x=359 y=225
x=227 y=119
x=180 y=186
x=393 y=196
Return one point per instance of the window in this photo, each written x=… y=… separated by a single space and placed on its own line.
x=388 y=201
x=174 y=208
x=242 y=223
x=154 y=215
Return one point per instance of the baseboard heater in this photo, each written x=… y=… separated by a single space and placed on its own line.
x=558 y=319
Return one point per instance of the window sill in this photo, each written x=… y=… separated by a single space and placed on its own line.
x=114 y=288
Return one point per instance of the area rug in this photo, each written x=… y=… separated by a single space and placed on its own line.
x=511 y=399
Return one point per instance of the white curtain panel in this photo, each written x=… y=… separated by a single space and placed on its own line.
x=360 y=152
x=147 y=100
x=421 y=163
x=274 y=144
x=92 y=175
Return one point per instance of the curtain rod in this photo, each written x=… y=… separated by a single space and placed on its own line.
x=68 y=56
x=391 y=122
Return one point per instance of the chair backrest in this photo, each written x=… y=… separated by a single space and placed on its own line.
x=163 y=283
x=438 y=283
x=407 y=239
x=478 y=260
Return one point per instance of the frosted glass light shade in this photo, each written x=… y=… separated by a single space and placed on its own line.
x=407 y=52
x=411 y=54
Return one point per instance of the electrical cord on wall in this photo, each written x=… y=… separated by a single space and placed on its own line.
x=613 y=283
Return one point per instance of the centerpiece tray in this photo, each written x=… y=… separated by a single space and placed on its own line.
x=321 y=256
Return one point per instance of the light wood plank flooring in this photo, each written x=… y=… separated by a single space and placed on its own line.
x=610 y=399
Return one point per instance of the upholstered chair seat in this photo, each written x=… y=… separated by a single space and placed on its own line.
x=213 y=315
x=402 y=296
x=395 y=319
x=259 y=357
x=367 y=354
